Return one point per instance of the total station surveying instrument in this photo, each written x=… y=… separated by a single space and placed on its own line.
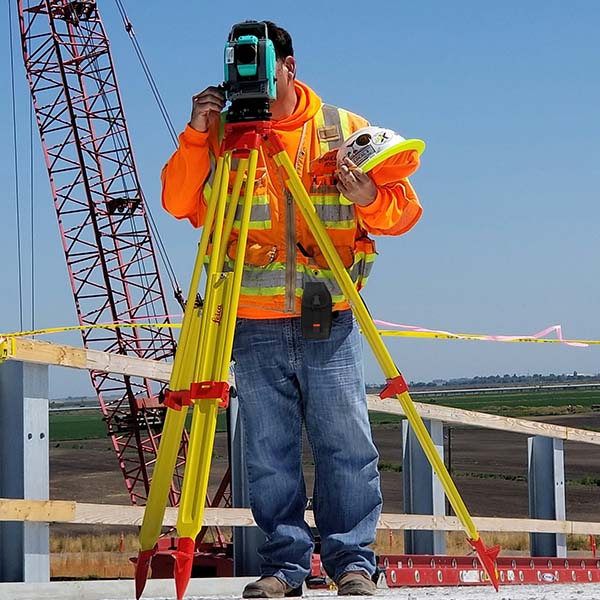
x=199 y=377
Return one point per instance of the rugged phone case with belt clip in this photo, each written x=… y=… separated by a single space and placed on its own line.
x=316 y=315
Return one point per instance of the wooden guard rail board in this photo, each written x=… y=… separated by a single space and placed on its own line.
x=58 y=511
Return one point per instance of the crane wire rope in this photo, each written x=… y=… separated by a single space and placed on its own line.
x=147 y=72
x=15 y=163
x=32 y=213
x=31 y=195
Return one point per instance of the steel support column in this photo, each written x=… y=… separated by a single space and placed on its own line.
x=546 y=477
x=24 y=469
x=422 y=491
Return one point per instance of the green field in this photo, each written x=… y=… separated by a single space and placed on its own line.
x=518 y=404
x=89 y=424
x=505 y=402
x=82 y=425
x=77 y=425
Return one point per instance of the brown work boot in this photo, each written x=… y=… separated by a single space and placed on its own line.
x=270 y=587
x=356 y=583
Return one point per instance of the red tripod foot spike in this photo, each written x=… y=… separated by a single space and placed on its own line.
x=184 y=559
x=141 y=570
x=487 y=557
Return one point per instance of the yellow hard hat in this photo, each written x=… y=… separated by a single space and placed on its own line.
x=370 y=146
x=386 y=154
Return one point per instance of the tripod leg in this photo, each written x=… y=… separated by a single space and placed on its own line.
x=396 y=384
x=216 y=339
x=181 y=377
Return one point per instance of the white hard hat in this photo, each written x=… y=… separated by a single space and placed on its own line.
x=370 y=146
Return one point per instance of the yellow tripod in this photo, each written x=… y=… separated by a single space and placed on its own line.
x=201 y=366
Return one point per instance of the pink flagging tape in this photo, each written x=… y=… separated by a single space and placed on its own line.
x=536 y=337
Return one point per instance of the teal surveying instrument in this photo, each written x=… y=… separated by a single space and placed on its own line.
x=199 y=379
x=249 y=71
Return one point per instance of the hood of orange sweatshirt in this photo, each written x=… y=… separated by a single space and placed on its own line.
x=307 y=105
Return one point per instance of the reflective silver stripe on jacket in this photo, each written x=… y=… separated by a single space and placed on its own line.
x=332 y=214
x=270 y=281
x=325 y=197
x=331 y=118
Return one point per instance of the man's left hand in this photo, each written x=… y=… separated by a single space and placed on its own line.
x=356 y=185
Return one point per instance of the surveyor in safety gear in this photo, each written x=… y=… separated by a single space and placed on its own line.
x=283 y=378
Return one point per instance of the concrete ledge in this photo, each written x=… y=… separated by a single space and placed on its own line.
x=162 y=589
x=120 y=589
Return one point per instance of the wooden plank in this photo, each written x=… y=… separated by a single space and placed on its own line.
x=107 y=514
x=60 y=355
x=460 y=416
x=496 y=524
x=45 y=511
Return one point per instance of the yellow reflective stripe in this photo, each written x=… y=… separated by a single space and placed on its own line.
x=335 y=298
x=328 y=200
x=260 y=200
x=345 y=123
x=319 y=123
x=277 y=267
x=263 y=291
x=339 y=224
x=255 y=224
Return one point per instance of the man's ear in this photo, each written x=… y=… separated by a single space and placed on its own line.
x=290 y=64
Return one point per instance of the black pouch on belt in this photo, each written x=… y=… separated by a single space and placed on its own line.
x=316 y=315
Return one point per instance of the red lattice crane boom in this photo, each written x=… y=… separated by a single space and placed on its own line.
x=102 y=218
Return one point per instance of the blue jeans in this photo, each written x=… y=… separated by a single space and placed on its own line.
x=283 y=381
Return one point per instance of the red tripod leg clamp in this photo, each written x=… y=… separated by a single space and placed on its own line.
x=395 y=386
x=200 y=390
x=177 y=399
x=210 y=390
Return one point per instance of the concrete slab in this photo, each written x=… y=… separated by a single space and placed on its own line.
x=230 y=588
x=123 y=589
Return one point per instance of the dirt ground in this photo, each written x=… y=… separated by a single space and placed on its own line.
x=87 y=471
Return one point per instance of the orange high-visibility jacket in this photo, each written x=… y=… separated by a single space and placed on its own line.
x=281 y=253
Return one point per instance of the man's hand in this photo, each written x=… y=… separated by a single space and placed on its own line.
x=206 y=108
x=356 y=185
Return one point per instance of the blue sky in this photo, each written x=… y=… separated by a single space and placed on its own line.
x=506 y=96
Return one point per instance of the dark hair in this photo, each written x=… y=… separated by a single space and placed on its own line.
x=282 y=40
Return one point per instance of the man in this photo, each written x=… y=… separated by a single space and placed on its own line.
x=284 y=379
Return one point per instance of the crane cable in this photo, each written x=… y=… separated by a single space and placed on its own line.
x=32 y=213
x=16 y=164
x=145 y=67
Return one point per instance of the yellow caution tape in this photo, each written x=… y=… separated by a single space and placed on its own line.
x=436 y=335
x=87 y=327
